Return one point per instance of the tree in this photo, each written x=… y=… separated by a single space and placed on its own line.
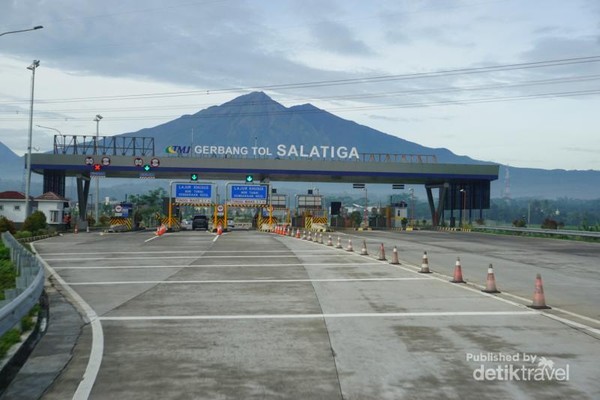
x=147 y=205
x=356 y=218
x=35 y=222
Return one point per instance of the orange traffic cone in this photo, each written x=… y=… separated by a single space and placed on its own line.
x=298 y=233
x=458 y=278
x=161 y=230
x=329 y=241
x=219 y=230
x=338 y=244
x=395 y=256
x=381 y=255
x=349 y=248
x=425 y=264
x=539 y=302
x=364 y=251
x=490 y=286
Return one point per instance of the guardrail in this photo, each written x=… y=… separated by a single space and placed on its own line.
x=30 y=284
x=556 y=232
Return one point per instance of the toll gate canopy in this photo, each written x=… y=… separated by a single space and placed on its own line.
x=459 y=186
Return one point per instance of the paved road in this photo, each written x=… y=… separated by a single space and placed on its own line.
x=254 y=315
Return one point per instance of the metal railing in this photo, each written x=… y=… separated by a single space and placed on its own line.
x=104 y=145
x=29 y=285
x=554 y=232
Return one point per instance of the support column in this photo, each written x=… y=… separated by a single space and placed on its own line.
x=54 y=181
x=437 y=214
x=83 y=190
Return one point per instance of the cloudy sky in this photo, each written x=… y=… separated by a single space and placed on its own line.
x=510 y=81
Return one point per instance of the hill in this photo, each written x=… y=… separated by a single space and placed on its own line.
x=255 y=119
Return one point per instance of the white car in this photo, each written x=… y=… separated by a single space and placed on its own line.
x=186 y=225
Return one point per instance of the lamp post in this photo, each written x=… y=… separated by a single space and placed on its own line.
x=96 y=212
x=412 y=206
x=22 y=30
x=366 y=214
x=464 y=216
x=54 y=129
x=32 y=68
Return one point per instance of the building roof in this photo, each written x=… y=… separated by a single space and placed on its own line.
x=50 y=196
x=12 y=195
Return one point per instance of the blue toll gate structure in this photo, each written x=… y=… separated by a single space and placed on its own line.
x=455 y=187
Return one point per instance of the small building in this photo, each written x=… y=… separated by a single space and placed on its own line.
x=54 y=207
x=12 y=205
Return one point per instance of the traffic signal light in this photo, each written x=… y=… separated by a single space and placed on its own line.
x=249 y=178
x=147 y=167
x=97 y=167
x=193 y=177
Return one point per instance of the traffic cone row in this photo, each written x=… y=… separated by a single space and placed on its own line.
x=539 y=301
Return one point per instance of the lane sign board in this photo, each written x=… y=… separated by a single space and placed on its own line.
x=185 y=192
x=249 y=194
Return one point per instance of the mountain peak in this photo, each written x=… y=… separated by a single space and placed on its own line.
x=252 y=98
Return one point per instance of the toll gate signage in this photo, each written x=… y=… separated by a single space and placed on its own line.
x=192 y=192
x=249 y=194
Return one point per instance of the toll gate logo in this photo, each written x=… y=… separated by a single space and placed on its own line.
x=178 y=149
x=517 y=367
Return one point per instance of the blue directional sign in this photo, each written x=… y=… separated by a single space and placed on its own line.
x=186 y=192
x=249 y=194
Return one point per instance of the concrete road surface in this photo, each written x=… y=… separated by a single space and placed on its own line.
x=251 y=315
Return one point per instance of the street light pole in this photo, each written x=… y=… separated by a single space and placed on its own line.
x=412 y=206
x=96 y=205
x=54 y=129
x=32 y=68
x=464 y=216
x=366 y=216
x=22 y=30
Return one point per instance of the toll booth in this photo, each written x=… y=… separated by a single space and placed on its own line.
x=123 y=215
x=399 y=212
x=310 y=212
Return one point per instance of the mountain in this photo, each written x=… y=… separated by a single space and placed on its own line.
x=256 y=119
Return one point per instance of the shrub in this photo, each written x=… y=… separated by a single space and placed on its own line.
x=35 y=222
x=23 y=234
x=6 y=225
x=519 y=223
x=549 y=224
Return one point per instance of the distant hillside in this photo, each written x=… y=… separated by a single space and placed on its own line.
x=255 y=118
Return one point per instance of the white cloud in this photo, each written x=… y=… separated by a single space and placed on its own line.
x=113 y=48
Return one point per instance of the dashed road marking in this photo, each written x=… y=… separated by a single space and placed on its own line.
x=247 y=281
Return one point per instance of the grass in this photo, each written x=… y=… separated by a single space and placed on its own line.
x=8 y=273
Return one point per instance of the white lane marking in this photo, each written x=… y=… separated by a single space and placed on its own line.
x=186 y=250
x=152 y=238
x=222 y=266
x=91 y=370
x=319 y=316
x=178 y=257
x=573 y=323
x=248 y=281
x=216 y=237
x=471 y=287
